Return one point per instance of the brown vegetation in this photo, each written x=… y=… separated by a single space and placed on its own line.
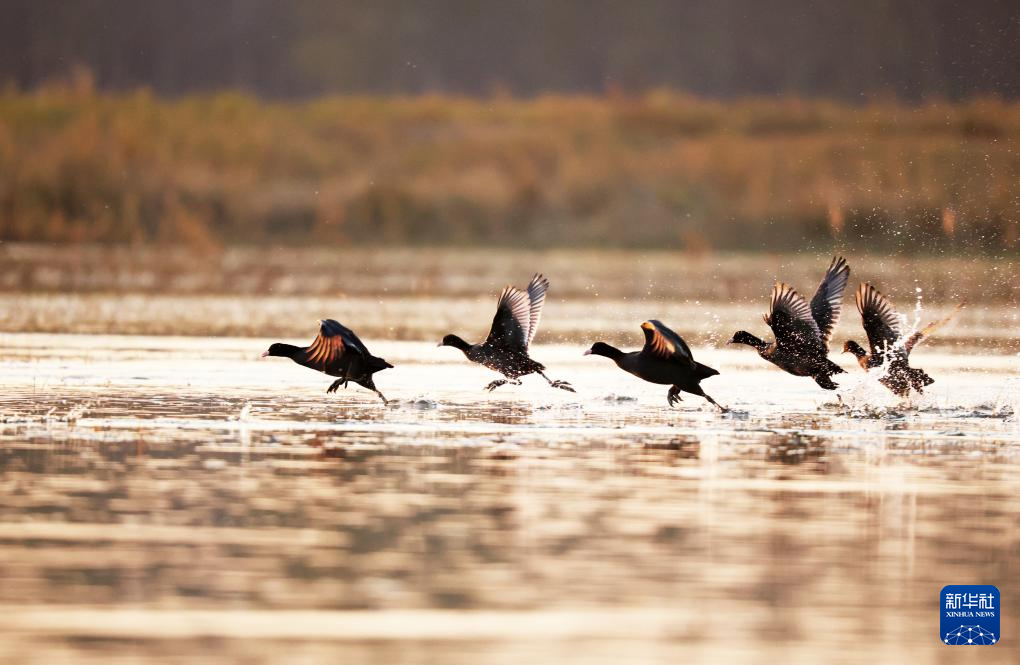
x=661 y=170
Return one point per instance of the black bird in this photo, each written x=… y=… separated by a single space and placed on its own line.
x=888 y=347
x=802 y=332
x=505 y=350
x=336 y=351
x=665 y=359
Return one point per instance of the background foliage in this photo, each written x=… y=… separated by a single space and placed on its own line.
x=659 y=169
x=909 y=49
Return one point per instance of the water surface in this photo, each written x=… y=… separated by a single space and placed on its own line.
x=174 y=499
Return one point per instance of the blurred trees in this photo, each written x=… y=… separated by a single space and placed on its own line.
x=911 y=49
x=511 y=122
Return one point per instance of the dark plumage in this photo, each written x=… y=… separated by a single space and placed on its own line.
x=888 y=347
x=336 y=351
x=505 y=350
x=665 y=359
x=801 y=331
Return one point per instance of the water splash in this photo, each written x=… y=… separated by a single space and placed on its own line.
x=244 y=415
x=613 y=397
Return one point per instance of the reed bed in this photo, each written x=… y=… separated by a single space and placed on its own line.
x=660 y=170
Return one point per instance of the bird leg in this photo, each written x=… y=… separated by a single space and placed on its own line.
x=674 y=392
x=382 y=397
x=342 y=381
x=673 y=396
x=499 y=382
x=562 y=385
x=722 y=408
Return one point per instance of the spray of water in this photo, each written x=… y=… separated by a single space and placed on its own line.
x=865 y=394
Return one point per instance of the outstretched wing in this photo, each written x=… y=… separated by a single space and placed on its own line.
x=791 y=321
x=518 y=313
x=926 y=331
x=662 y=342
x=513 y=315
x=879 y=318
x=536 y=295
x=827 y=304
x=330 y=345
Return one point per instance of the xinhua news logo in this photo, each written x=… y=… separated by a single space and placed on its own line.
x=970 y=614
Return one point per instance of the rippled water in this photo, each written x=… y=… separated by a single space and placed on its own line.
x=176 y=499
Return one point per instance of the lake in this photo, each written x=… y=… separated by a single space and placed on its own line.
x=173 y=498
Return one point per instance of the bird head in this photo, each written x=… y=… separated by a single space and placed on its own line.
x=454 y=341
x=744 y=337
x=276 y=349
x=853 y=347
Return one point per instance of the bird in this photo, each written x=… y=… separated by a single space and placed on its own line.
x=664 y=359
x=887 y=345
x=505 y=350
x=335 y=351
x=802 y=332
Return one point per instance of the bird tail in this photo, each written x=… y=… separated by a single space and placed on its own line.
x=378 y=364
x=704 y=371
x=825 y=381
x=920 y=378
x=833 y=368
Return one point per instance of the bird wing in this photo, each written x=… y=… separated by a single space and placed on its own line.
x=511 y=324
x=926 y=331
x=332 y=342
x=827 y=304
x=662 y=342
x=879 y=317
x=536 y=295
x=790 y=318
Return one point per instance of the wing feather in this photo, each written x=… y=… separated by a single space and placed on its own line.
x=513 y=316
x=536 y=295
x=879 y=318
x=827 y=304
x=926 y=331
x=329 y=346
x=791 y=320
x=662 y=342
x=518 y=313
x=326 y=348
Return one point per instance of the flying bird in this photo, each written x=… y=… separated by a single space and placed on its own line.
x=665 y=359
x=802 y=331
x=888 y=347
x=336 y=351
x=505 y=350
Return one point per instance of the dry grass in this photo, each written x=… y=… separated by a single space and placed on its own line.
x=662 y=170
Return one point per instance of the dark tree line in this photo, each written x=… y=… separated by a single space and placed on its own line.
x=911 y=49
